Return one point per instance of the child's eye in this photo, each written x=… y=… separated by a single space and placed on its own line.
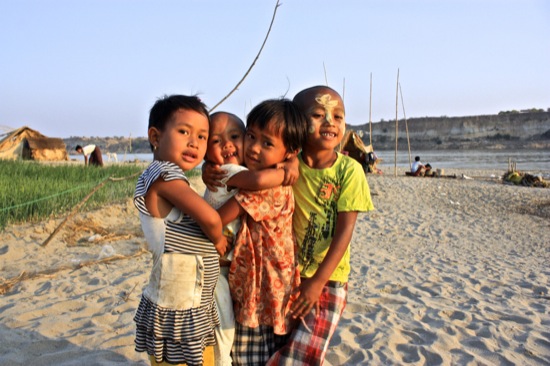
x=215 y=141
x=249 y=136
x=317 y=115
x=203 y=137
x=184 y=132
x=235 y=137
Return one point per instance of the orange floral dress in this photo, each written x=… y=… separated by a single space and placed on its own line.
x=264 y=272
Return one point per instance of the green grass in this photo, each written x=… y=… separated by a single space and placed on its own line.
x=32 y=191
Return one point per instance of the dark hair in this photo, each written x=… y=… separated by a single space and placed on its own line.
x=417 y=158
x=165 y=107
x=285 y=117
x=232 y=116
x=78 y=147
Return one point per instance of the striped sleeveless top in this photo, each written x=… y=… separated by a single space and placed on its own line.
x=176 y=316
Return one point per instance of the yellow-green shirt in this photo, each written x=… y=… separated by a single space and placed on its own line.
x=320 y=194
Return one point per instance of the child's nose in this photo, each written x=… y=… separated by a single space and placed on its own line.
x=253 y=146
x=329 y=119
x=193 y=141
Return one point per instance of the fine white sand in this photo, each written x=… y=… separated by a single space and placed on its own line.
x=444 y=272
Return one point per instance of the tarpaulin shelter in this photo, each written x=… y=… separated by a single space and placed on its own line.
x=28 y=144
x=354 y=147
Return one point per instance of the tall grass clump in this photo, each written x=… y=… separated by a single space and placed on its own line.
x=32 y=191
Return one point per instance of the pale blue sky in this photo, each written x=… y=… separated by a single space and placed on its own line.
x=95 y=67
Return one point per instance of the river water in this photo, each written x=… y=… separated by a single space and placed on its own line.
x=526 y=160
x=532 y=161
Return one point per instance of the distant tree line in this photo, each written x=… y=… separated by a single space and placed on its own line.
x=532 y=110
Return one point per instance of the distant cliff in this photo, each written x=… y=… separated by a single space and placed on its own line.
x=503 y=131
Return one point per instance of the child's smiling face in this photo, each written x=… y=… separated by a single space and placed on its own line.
x=325 y=114
x=225 y=143
x=264 y=148
x=183 y=140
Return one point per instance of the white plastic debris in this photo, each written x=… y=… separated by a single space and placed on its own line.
x=94 y=237
x=106 y=251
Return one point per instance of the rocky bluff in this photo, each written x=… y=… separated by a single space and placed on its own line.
x=503 y=131
x=529 y=130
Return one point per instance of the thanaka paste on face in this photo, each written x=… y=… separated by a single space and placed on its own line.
x=328 y=105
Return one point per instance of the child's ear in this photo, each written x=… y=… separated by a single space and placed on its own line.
x=154 y=136
x=291 y=154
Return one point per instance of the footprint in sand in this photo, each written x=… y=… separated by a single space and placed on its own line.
x=46 y=287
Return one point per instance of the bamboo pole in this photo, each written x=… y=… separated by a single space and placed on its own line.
x=396 y=123
x=344 y=91
x=406 y=126
x=370 y=111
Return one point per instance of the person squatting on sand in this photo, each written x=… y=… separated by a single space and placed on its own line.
x=176 y=316
x=330 y=191
x=264 y=272
x=225 y=151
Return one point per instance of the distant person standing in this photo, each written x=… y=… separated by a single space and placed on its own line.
x=93 y=151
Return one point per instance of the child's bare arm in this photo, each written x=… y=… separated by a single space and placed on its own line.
x=230 y=211
x=285 y=174
x=179 y=194
x=257 y=180
x=310 y=289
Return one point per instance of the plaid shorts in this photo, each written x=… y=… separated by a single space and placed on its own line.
x=309 y=346
x=254 y=346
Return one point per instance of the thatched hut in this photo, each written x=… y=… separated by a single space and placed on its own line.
x=28 y=144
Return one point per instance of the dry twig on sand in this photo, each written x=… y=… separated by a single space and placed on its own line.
x=9 y=283
x=77 y=207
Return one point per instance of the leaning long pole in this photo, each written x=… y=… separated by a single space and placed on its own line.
x=344 y=91
x=253 y=62
x=396 y=123
x=370 y=111
x=406 y=125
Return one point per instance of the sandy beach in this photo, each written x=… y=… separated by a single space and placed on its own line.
x=444 y=272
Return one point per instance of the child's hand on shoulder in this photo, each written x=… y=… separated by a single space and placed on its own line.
x=212 y=174
x=290 y=168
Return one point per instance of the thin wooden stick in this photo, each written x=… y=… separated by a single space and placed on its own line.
x=325 y=69
x=9 y=283
x=370 y=111
x=344 y=91
x=125 y=298
x=406 y=126
x=77 y=207
x=253 y=62
x=396 y=123
x=73 y=212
